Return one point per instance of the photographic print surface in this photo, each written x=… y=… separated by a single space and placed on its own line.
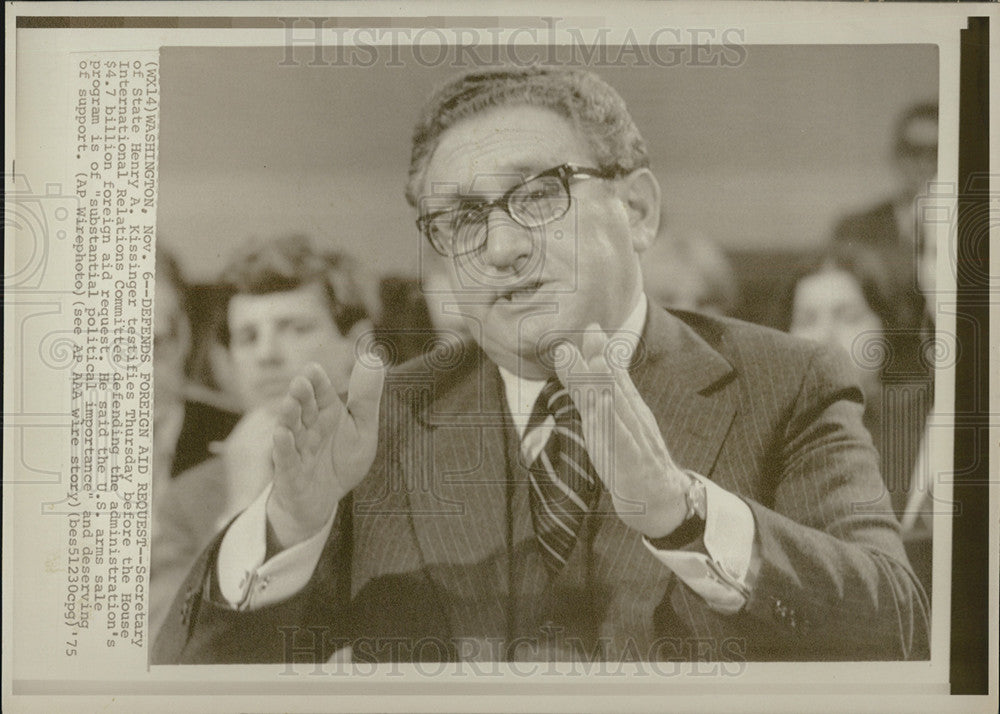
x=277 y=337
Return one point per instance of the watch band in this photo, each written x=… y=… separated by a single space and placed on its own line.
x=693 y=526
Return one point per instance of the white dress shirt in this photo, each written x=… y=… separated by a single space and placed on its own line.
x=722 y=574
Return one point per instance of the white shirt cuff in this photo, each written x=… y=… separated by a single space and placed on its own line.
x=724 y=577
x=246 y=582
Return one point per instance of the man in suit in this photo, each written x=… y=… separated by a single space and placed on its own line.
x=598 y=479
x=892 y=227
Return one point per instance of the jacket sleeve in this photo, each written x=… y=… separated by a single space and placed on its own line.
x=834 y=582
x=175 y=548
x=310 y=625
x=201 y=628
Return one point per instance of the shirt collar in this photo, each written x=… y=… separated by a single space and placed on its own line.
x=521 y=393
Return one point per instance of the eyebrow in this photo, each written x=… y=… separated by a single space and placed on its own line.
x=280 y=321
x=449 y=201
x=522 y=172
x=527 y=170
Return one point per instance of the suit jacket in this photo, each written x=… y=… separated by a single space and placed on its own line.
x=203 y=424
x=189 y=512
x=425 y=557
x=878 y=228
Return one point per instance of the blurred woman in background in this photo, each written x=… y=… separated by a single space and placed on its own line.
x=844 y=298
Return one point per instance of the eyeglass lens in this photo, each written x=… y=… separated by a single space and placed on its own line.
x=532 y=204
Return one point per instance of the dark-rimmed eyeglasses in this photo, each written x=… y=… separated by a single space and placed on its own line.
x=540 y=199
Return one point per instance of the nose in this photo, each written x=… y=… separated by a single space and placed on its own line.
x=508 y=245
x=268 y=351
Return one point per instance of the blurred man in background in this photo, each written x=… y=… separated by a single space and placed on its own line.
x=689 y=272
x=891 y=226
x=289 y=303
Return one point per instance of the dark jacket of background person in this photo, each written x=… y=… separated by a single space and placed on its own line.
x=877 y=228
x=894 y=227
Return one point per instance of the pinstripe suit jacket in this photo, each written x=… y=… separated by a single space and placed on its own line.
x=419 y=557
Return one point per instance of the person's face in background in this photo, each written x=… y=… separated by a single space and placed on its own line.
x=688 y=272
x=673 y=284
x=171 y=343
x=273 y=336
x=526 y=287
x=916 y=161
x=830 y=307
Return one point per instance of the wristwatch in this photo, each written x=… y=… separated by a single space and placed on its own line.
x=693 y=526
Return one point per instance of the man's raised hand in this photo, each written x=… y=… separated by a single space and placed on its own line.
x=322 y=448
x=647 y=486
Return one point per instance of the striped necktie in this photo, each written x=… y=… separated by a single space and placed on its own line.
x=563 y=484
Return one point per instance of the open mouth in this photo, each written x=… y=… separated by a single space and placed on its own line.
x=520 y=292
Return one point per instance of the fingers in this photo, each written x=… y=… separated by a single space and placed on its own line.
x=310 y=396
x=617 y=394
x=323 y=392
x=285 y=454
x=604 y=431
x=364 y=393
x=579 y=392
x=290 y=407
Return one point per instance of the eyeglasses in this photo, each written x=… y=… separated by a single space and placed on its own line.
x=541 y=199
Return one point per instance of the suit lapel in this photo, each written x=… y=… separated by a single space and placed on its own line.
x=682 y=379
x=458 y=503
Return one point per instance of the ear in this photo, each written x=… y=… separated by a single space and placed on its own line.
x=641 y=196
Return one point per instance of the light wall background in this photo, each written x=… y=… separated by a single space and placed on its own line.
x=761 y=157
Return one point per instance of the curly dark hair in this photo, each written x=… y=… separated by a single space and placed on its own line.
x=593 y=107
x=289 y=262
